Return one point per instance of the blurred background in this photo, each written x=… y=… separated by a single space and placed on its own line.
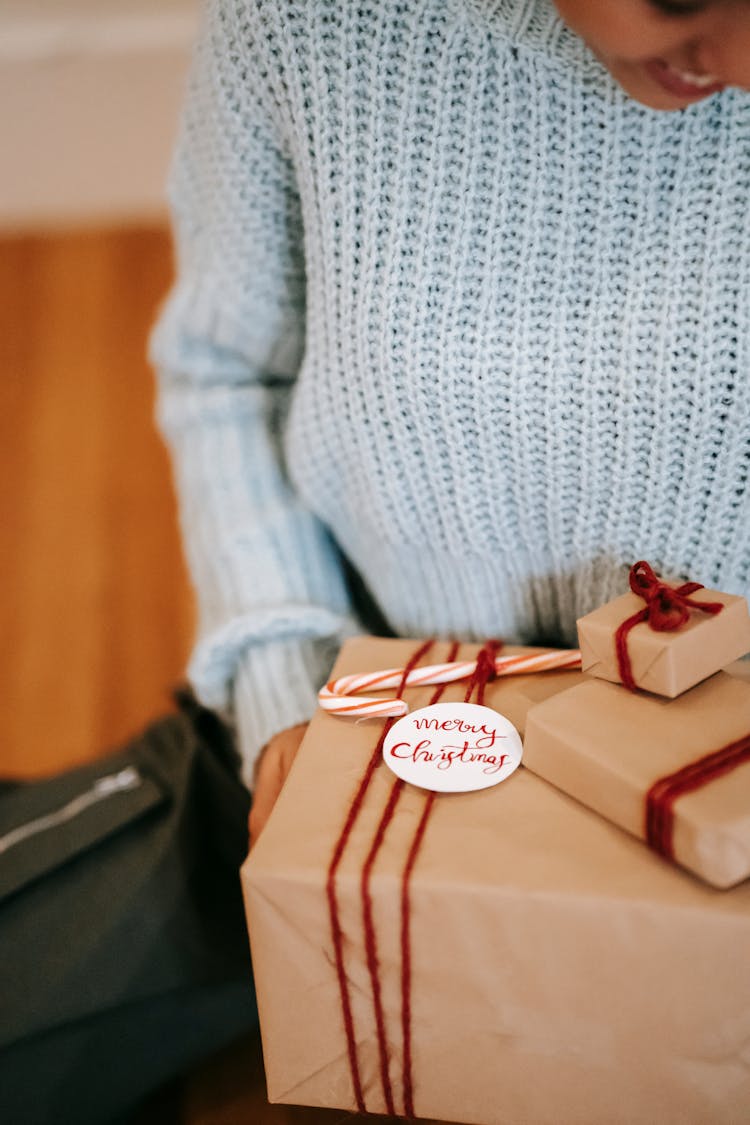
x=89 y=94
x=95 y=613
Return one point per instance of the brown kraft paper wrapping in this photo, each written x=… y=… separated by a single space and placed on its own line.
x=666 y=663
x=561 y=972
x=607 y=747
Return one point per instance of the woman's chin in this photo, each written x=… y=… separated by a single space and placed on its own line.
x=646 y=83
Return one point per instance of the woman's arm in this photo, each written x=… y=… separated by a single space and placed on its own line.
x=273 y=603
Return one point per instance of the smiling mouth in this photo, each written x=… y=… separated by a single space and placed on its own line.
x=683 y=84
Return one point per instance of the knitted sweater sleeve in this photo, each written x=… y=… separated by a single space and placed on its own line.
x=272 y=599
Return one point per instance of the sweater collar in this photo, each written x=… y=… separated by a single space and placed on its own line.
x=531 y=23
x=516 y=18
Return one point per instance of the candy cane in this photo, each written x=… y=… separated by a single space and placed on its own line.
x=336 y=696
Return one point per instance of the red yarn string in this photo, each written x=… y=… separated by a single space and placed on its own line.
x=483 y=673
x=408 y=1084
x=624 y=666
x=416 y=843
x=371 y=944
x=336 y=931
x=667 y=608
x=663 y=793
x=370 y=938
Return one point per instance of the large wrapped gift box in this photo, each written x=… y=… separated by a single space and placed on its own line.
x=674 y=772
x=558 y=970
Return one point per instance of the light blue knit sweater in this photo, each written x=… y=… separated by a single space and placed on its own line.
x=509 y=309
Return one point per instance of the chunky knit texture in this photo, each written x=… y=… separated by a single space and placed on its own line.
x=508 y=307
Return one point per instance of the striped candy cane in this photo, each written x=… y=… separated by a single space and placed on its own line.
x=336 y=696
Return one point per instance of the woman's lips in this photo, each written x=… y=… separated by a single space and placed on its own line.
x=681 y=83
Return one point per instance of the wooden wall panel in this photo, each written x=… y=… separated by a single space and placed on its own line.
x=95 y=609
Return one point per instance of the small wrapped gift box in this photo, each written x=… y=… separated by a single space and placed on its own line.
x=684 y=637
x=528 y=962
x=674 y=772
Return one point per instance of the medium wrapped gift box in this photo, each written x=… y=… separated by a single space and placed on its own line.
x=542 y=966
x=666 y=662
x=674 y=772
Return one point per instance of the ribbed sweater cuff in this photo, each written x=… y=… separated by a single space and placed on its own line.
x=276 y=687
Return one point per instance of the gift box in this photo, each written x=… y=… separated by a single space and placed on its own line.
x=674 y=772
x=498 y=956
x=680 y=645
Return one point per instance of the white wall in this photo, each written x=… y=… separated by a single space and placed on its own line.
x=89 y=97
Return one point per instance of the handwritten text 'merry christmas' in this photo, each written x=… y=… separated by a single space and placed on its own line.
x=477 y=749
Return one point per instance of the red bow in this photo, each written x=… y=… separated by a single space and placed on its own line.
x=667 y=608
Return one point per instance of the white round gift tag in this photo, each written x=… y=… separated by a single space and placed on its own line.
x=453 y=748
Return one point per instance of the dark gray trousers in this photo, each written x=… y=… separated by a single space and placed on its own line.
x=124 y=950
